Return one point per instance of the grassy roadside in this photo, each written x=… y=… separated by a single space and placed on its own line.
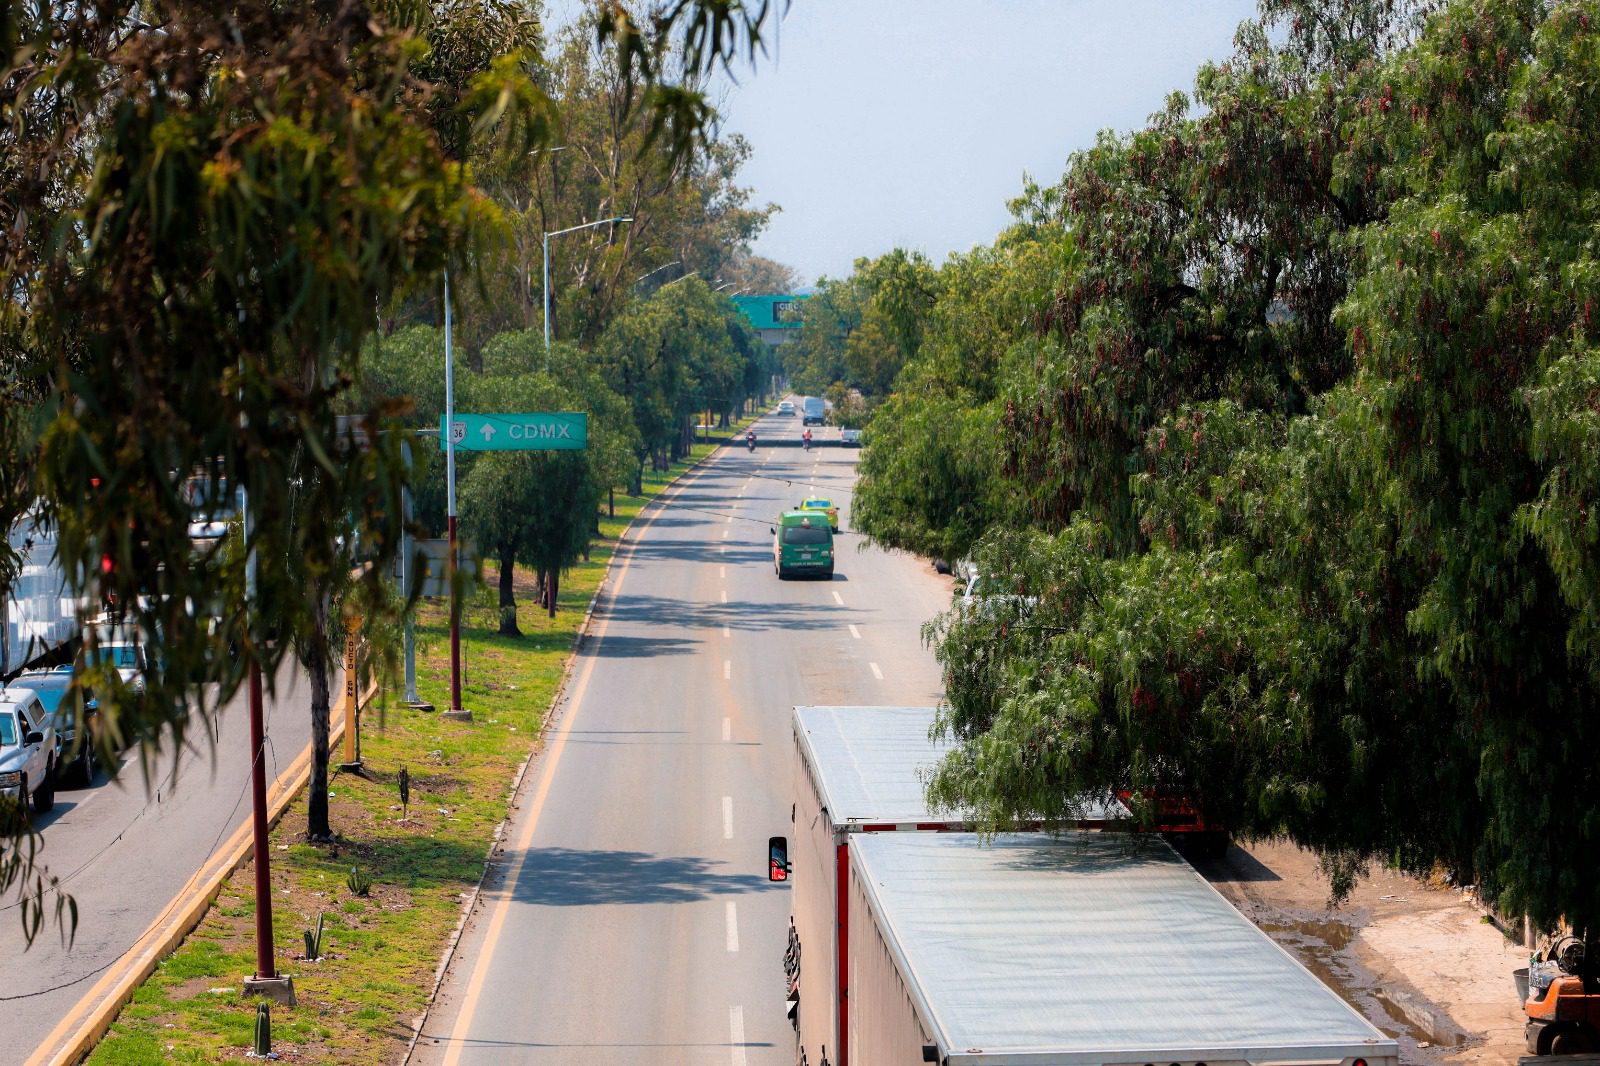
x=380 y=952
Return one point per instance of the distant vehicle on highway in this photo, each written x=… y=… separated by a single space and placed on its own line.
x=27 y=749
x=850 y=438
x=813 y=411
x=786 y=407
x=826 y=506
x=802 y=545
x=124 y=655
x=51 y=686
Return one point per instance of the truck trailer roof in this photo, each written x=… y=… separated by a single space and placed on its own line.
x=865 y=762
x=1092 y=948
x=869 y=764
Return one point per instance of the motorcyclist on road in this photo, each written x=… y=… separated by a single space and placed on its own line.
x=750 y=440
x=808 y=439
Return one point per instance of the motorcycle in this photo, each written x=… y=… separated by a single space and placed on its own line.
x=750 y=442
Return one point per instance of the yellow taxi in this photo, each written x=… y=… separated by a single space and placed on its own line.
x=817 y=503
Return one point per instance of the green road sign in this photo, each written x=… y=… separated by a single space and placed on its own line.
x=563 y=430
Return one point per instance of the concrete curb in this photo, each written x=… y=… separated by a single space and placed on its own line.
x=557 y=704
x=158 y=941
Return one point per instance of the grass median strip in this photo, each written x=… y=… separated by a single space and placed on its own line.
x=379 y=951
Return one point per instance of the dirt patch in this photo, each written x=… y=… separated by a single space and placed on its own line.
x=1417 y=959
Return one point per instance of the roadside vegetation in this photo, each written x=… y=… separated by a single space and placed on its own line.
x=192 y=279
x=1277 y=418
x=379 y=951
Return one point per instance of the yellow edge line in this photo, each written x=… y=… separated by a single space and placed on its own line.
x=100 y=1005
x=552 y=759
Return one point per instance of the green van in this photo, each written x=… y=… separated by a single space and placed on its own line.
x=802 y=544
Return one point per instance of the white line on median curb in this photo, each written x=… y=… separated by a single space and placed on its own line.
x=838 y=599
x=875 y=671
x=727 y=817
x=736 y=1033
x=854 y=632
x=733 y=927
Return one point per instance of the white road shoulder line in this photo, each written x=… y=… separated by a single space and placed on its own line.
x=736 y=1033
x=854 y=632
x=875 y=671
x=838 y=599
x=727 y=815
x=733 y=928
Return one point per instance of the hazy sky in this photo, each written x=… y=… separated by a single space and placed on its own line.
x=878 y=123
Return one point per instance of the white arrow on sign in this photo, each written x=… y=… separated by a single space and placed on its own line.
x=488 y=433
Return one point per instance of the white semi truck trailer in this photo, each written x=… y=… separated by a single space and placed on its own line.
x=1089 y=949
x=856 y=771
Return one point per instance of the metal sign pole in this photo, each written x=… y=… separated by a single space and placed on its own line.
x=454 y=563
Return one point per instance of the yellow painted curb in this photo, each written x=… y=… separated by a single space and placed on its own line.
x=81 y=1028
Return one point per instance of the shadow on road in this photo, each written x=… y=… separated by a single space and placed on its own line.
x=665 y=613
x=565 y=877
x=615 y=647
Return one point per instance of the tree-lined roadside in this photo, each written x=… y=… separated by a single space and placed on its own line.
x=381 y=950
x=1271 y=425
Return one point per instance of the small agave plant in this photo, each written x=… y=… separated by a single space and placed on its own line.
x=359 y=883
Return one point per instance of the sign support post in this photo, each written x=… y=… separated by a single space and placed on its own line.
x=455 y=711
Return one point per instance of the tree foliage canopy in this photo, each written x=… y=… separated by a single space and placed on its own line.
x=1293 y=460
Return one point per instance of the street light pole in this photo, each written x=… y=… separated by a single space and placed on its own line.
x=557 y=233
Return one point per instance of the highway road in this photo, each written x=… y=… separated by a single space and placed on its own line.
x=629 y=919
x=125 y=852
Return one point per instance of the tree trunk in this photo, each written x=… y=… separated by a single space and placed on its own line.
x=508 y=596
x=315 y=659
x=611 y=502
x=542 y=583
x=553 y=583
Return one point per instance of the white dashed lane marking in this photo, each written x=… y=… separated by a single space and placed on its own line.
x=733 y=928
x=875 y=671
x=854 y=632
x=838 y=599
x=727 y=817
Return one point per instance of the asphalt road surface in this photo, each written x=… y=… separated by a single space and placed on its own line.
x=125 y=852
x=629 y=919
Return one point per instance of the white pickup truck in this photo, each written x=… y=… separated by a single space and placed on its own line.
x=27 y=749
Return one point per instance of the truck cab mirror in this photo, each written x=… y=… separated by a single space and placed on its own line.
x=34 y=737
x=778 y=859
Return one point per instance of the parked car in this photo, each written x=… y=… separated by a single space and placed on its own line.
x=850 y=438
x=786 y=407
x=27 y=749
x=74 y=759
x=826 y=506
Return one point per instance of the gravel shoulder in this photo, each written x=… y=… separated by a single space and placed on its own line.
x=1419 y=960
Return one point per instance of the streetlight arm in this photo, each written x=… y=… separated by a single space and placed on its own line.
x=557 y=233
x=588 y=225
